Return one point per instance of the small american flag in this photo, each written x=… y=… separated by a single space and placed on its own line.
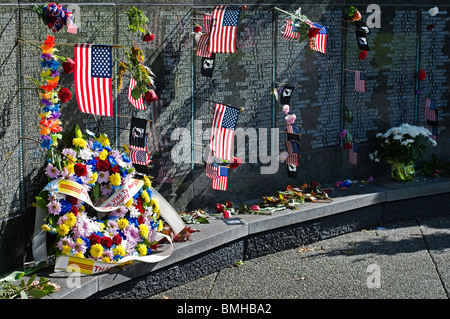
x=222 y=131
x=292 y=149
x=319 y=42
x=202 y=46
x=211 y=167
x=288 y=33
x=224 y=29
x=139 y=103
x=360 y=81
x=353 y=154
x=156 y=142
x=207 y=19
x=430 y=110
x=93 y=78
x=139 y=155
x=221 y=182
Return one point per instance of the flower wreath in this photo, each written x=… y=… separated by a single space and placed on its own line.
x=78 y=231
x=55 y=16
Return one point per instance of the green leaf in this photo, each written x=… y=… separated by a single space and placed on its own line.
x=136 y=93
x=96 y=191
x=41 y=202
x=37 y=293
x=15 y=275
x=30 y=281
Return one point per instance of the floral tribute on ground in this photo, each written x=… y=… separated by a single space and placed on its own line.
x=117 y=219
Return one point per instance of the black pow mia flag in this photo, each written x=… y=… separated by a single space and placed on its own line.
x=292 y=171
x=285 y=94
x=361 y=35
x=137 y=132
x=208 y=66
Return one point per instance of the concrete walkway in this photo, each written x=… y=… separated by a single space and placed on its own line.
x=405 y=260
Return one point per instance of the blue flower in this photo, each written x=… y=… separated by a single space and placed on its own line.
x=96 y=146
x=65 y=207
x=46 y=143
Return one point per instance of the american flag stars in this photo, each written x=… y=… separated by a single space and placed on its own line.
x=101 y=62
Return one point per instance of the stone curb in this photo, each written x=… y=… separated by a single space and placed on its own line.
x=218 y=245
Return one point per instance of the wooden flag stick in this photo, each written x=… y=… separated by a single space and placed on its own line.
x=116 y=46
x=129 y=117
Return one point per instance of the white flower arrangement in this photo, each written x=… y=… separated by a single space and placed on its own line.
x=402 y=144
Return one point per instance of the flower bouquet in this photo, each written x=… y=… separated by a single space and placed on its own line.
x=401 y=147
x=96 y=209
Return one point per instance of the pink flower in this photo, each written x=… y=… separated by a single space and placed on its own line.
x=54 y=208
x=255 y=208
x=290 y=119
x=51 y=171
x=286 y=108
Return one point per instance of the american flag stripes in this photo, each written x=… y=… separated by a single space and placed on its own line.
x=319 y=42
x=360 y=81
x=222 y=131
x=93 y=78
x=202 y=46
x=430 y=110
x=288 y=34
x=207 y=19
x=353 y=154
x=225 y=21
x=221 y=182
x=139 y=103
x=139 y=155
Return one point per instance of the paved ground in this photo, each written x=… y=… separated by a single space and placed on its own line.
x=410 y=260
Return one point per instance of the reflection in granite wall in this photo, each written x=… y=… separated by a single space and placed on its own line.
x=179 y=121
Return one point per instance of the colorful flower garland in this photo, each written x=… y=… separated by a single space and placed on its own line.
x=50 y=97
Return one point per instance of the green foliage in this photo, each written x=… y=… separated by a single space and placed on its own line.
x=137 y=21
x=9 y=289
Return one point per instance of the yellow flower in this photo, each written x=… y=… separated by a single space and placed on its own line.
x=71 y=220
x=127 y=150
x=119 y=250
x=66 y=249
x=155 y=205
x=129 y=203
x=145 y=197
x=79 y=254
x=103 y=139
x=103 y=154
x=147 y=182
x=63 y=229
x=45 y=114
x=115 y=179
x=79 y=240
x=142 y=249
x=143 y=230
x=78 y=141
x=122 y=223
x=160 y=226
x=105 y=259
x=45 y=227
x=71 y=167
x=96 y=250
x=94 y=177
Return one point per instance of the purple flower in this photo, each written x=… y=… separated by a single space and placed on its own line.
x=54 y=208
x=46 y=102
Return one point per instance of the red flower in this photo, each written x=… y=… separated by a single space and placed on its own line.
x=197 y=29
x=140 y=219
x=149 y=37
x=430 y=27
x=117 y=239
x=236 y=162
x=74 y=210
x=64 y=95
x=314 y=184
x=114 y=169
x=103 y=165
x=80 y=169
x=347 y=145
x=255 y=208
x=228 y=204
x=106 y=242
x=219 y=208
x=422 y=75
x=150 y=96
x=94 y=239
x=362 y=55
x=226 y=214
x=68 y=66
x=313 y=32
